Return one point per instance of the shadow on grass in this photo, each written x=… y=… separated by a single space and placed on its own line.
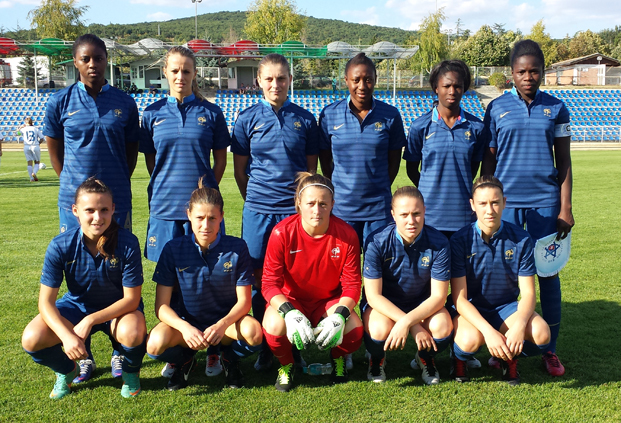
x=21 y=181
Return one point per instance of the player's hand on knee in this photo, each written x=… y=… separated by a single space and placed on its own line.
x=515 y=340
x=299 y=329
x=214 y=333
x=329 y=332
x=74 y=348
x=194 y=338
x=398 y=336
x=497 y=346
x=424 y=340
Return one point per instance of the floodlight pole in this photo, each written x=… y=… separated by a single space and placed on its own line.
x=196 y=18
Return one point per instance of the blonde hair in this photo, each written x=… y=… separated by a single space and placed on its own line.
x=185 y=52
x=205 y=195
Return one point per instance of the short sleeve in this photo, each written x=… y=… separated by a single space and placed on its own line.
x=53 y=266
x=312 y=138
x=221 y=136
x=132 y=269
x=489 y=128
x=441 y=267
x=479 y=142
x=132 y=130
x=414 y=147
x=325 y=143
x=372 y=261
x=165 y=271
x=527 y=259
x=245 y=274
x=458 y=256
x=563 y=115
x=240 y=143
x=397 y=133
x=147 y=146
x=53 y=125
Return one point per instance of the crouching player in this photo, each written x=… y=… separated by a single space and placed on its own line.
x=311 y=279
x=406 y=278
x=102 y=266
x=493 y=264
x=213 y=273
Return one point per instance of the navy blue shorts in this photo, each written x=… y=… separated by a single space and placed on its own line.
x=537 y=222
x=365 y=228
x=256 y=231
x=495 y=317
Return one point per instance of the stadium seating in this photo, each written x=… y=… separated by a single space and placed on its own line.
x=595 y=114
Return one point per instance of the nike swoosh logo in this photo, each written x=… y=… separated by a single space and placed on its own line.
x=158 y=122
x=429 y=136
x=471 y=255
x=389 y=258
x=504 y=114
x=337 y=127
x=185 y=268
x=259 y=126
x=293 y=252
x=70 y=262
x=73 y=113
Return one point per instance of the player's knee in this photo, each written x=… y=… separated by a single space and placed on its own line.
x=541 y=332
x=252 y=332
x=133 y=334
x=273 y=323
x=30 y=339
x=469 y=341
x=156 y=344
x=440 y=325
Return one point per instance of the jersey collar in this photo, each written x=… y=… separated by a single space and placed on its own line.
x=84 y=247
x=267 y=104
x=494 y=235
x=105 y=87
x=185 y=100
x=372 y=104
x=515 y=92
x=420 y=235
x=210 y=247
x=436 y=117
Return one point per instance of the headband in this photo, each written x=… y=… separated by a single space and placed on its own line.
x=315 y=185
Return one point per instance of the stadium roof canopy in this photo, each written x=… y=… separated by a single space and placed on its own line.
x=241 y=49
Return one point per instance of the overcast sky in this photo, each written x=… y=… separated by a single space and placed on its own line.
x=561 y=17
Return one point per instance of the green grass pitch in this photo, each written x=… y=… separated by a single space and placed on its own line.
x=589 y=343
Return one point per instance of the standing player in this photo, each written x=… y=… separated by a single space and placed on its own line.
x=101 y=265
x=492 y=263
x=361 y=143
x=406 y=277
x=312 y=279
x=280 y=139
x=32 y=137
x=178 y=135
x=213 y=273
x=448 y=142
x=529 y=138
x=92 y=129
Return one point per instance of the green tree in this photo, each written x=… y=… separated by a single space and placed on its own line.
x=433 y=45
x=58 y=19
x=587 y=42
x=485 y=48
x=547 y=44
x=26 y=72
x=274 y=21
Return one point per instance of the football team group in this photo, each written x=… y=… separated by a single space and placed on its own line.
x=305 y=235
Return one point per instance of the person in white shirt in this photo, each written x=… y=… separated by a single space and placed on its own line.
x=32 y=137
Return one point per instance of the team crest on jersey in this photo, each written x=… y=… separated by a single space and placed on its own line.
x=509 y=254
x=424 y=261
x=63 y=228
x=467 y=135
x=547 y=112
x=379 y=126
x=152 y=241
x=114 y=263
x=118 y=113
x=228 y=266
x=297 y=125
x=202 y=120
x=335 y=253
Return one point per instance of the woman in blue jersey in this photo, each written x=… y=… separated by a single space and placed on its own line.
x=213 y=274
x=102 y=267
x=279 y=139
x=448 y=142
x=529 y=138
x=492 y=263
x=179 y=134
x=406 y=278
x=361 y=143
x=92 y=128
